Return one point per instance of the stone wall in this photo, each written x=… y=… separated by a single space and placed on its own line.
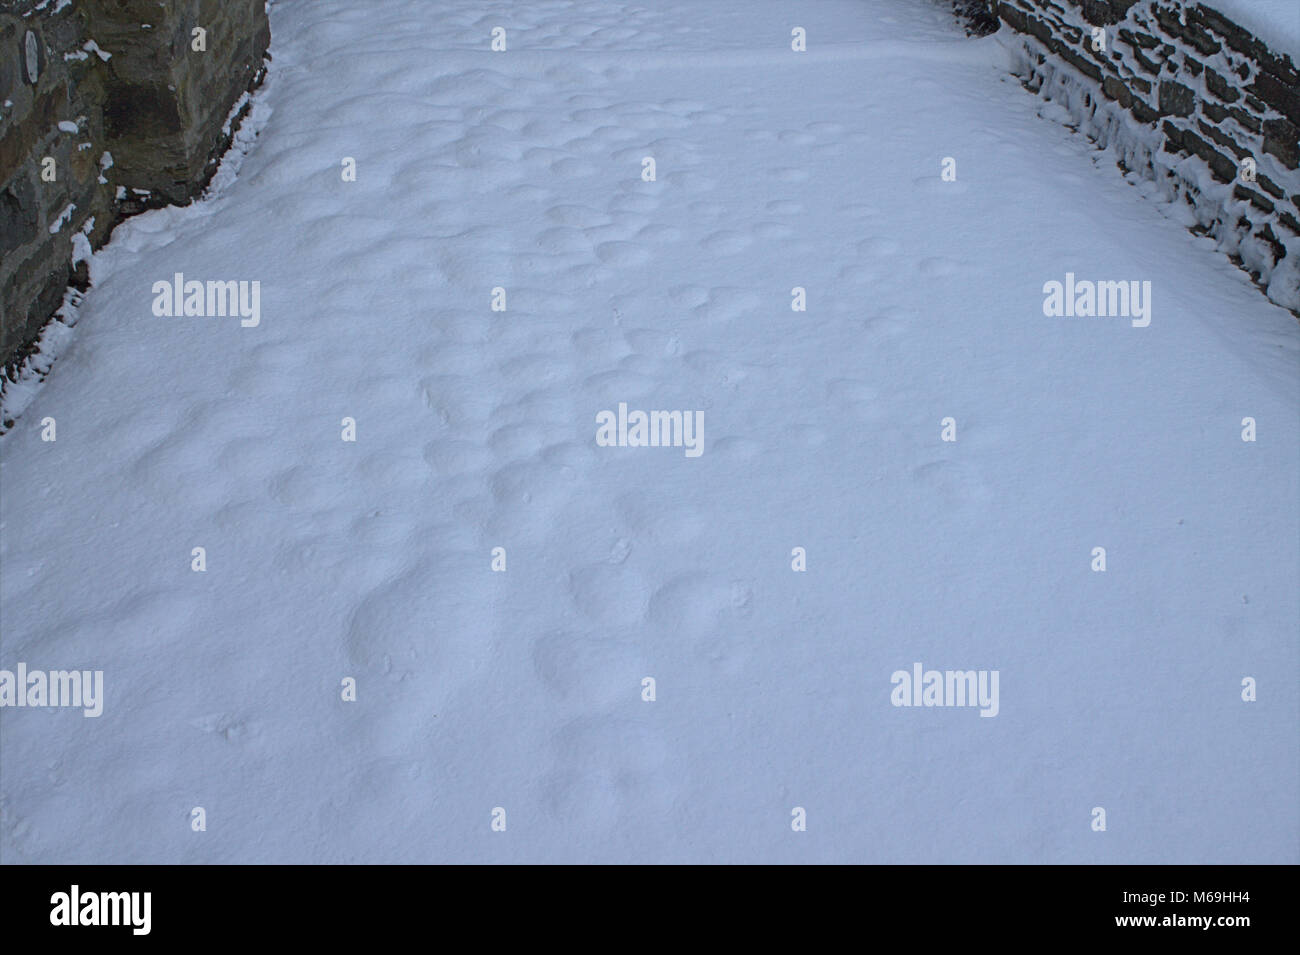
x=1187 y=99
x=106 y=108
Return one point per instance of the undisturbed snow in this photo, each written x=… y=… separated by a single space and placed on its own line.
x=476 y=429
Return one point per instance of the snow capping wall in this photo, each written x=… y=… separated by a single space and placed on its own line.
x=106 y=109
x=1186 y=99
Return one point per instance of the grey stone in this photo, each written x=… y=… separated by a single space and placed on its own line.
x=158 y=106
x=32 y=56
x=1220 y=87
x=1282 y=139
x=1117 y=91
x=18 y=214
x=1281 y=96
x=1223 y=139
x=1253 y=197
x=1143 y=41
x=1221 y=167
x=1175 y=99
x=1142 y=112
x=1269 y=186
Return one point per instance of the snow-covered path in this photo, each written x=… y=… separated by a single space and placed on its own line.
x=475 y=429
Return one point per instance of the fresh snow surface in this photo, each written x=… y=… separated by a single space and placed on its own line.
x=1276 y=22
x=476 y=429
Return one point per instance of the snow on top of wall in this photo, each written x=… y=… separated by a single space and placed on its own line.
x=1276 y=22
